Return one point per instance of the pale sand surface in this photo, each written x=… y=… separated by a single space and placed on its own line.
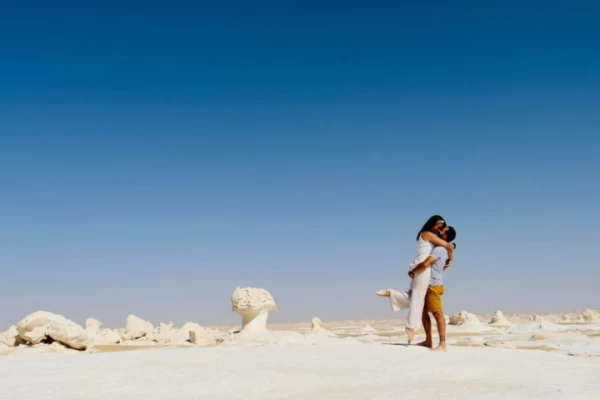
x=544 y=358
x=339 y=369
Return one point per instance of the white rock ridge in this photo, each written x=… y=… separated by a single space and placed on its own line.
x=254 y=305
x=498 y=319
x=136 y=328
x=42 y=325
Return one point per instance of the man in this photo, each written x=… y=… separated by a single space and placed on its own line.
x=433 y=299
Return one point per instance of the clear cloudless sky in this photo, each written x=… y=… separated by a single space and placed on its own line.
x=155 y=156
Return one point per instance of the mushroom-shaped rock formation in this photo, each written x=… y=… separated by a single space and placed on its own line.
x=41 y=325
x=11 y=337
x=136 y=328
x=316 y=326
x=499 y=320
x=254 y=305
x=590 y=315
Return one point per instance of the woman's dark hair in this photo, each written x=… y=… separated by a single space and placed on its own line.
x=430 y=224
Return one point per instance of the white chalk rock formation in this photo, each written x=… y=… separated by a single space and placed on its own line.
x=11 y=337
x=92 y=326
x=32 y=328
x=40 y=325
x=590 y=315
x=498 y=319
x=254 y=305
x=107 y=336
x=202 y=338
x=163 y=333
x=136 y=328
x=566 y=318
x=316 y=326
x=447 y=319
x=68 y=333
x=537 y=318
x=183 y=334
x=464 y=318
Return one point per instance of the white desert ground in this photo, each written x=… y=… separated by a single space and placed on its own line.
x=552 y=356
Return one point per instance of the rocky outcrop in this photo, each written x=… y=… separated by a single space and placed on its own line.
x=11 y=337
x=463 y=318
x=499 y=320
x=183 y=334
x=317 y=327
x=590 y=316
x=202 y=338
x=41 y=326
x=163 y=333
x=136 y=328
x=68 y=333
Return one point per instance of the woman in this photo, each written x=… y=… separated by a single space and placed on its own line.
x=427 y=239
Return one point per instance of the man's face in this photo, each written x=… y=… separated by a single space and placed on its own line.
x=444 y=233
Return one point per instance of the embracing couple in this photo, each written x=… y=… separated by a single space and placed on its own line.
x=435 y=252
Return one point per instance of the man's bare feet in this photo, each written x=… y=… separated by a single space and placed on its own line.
x=383 y=293
x=441 y=347
x=410 y=333
x=425 y=344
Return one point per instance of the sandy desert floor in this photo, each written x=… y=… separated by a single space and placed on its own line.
x=345 y=369
x=544 y=358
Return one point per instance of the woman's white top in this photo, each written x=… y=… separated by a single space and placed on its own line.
x=424 y=249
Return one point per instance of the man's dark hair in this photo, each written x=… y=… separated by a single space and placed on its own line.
x=451 y=233
x=454 y=246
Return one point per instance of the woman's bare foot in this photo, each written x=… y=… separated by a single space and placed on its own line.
x=383 y=293
x=425 y=344
x=441 y=347
x=410 y=333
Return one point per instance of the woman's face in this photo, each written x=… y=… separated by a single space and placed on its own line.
x=439 y=226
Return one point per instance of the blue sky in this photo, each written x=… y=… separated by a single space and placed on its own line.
x=152 y=159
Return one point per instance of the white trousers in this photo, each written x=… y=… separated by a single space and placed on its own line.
x=416 y=302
